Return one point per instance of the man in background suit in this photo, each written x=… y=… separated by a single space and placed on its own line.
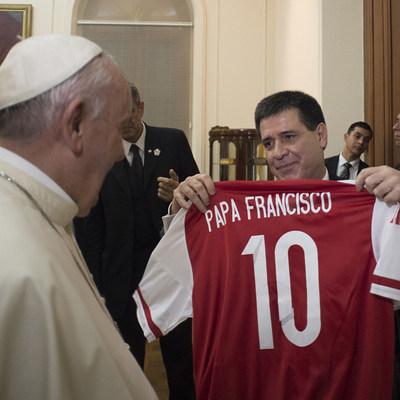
x=347 y=164
x=124 y=227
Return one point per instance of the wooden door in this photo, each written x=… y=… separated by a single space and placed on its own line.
x=382 y=77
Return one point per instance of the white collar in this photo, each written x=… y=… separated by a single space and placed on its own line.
x=343 y=161
x=140 y=143
x=33 y=171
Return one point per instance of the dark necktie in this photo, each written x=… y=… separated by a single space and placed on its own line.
x=346 y=171
x=137 y=163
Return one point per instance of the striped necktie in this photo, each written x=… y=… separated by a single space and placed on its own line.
x=346 y=171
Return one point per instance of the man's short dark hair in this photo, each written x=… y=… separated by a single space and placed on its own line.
x=310 y=112
x=135 y=94
x=360 y=124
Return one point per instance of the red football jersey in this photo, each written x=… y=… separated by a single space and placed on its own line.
x=287 y=298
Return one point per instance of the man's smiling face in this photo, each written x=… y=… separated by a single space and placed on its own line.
x=292 y=150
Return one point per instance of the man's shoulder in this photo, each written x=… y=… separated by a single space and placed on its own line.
x=363 y=165
x=162 y=131
x=332 y=159
x=331 y=165
x=118 y=170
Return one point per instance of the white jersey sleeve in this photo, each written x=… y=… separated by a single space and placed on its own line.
x=386 y=241
x=166 y=284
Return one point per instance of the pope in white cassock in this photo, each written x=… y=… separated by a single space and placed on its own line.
x=63 y=107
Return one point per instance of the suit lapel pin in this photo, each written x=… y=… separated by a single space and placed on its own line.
x=157 y=152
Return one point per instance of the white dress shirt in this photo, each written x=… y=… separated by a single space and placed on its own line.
x=140 y=143
x=352 y=170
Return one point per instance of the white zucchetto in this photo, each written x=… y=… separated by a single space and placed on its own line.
x=40 y=63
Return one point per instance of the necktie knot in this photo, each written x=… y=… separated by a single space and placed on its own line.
x=346 y=171
x=137 y=163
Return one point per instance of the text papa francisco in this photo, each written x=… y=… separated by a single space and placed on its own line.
x=259 y=207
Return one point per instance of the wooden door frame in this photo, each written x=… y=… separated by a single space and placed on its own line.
x=381 y=81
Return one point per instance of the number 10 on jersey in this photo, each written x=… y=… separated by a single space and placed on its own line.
x=256 y=247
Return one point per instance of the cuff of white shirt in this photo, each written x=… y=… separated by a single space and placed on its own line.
x=167 y=219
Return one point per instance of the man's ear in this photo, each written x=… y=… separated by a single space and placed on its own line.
x=141 y=109
x=71 y=121
x=322 y=131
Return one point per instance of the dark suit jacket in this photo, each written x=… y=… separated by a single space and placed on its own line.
x=331 y=164
x=106 y=236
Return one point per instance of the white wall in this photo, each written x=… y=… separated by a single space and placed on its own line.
x=294 y=46
x=343 y=68
x=42 y=15
x=235 y=65
x=263 y=46
x=246 y=50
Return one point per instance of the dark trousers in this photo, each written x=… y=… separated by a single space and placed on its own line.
x=177 y=352
x=176 y=349
x=396 y=375
x=132 y=333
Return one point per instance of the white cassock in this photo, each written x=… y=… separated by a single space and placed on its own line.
x=57 y=339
